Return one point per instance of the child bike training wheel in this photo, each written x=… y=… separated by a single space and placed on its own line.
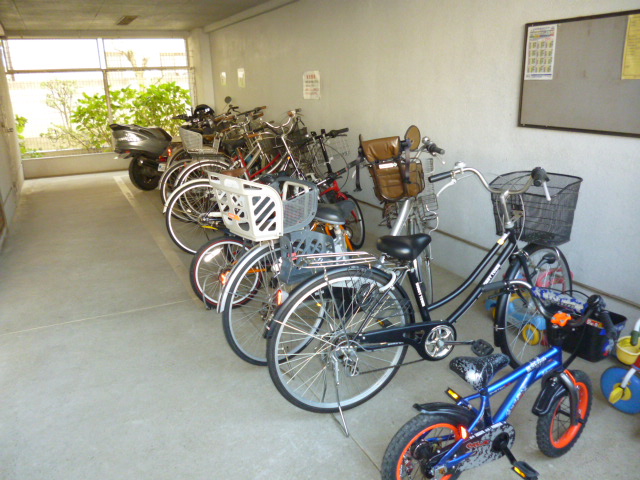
x=554 y=433
x=314 y=358
x=521 y=329
x=412 y=450
x=625 y=399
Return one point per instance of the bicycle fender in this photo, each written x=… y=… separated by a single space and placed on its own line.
x=555 y=387
x=549 y=393
x=456 y=414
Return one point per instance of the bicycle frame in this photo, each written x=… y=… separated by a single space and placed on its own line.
x=393 y=336
x=521 y=379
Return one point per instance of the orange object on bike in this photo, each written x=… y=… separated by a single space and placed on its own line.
x=561 y=319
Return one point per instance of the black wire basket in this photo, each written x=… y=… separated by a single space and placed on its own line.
x=543 y=222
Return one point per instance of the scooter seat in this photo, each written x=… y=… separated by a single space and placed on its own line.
x=405 y=247
x=478 y=371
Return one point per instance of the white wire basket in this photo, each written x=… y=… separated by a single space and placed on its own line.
x=260 y=212
x=193 y=143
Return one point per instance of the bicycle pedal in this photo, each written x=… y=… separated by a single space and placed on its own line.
x=481 y=348
x=524 y=470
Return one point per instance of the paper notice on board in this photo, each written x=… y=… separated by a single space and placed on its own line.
x=631 y=58
x=541 y=52
x=311 y=85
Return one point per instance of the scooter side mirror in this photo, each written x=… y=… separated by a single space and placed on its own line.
x=227 y=100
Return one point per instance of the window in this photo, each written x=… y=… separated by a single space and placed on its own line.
x=66 y=92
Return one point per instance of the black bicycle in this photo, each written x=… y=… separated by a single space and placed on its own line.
x=341 y=336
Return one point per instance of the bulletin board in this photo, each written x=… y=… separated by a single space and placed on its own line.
x=583 y=74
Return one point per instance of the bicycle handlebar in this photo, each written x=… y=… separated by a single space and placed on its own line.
x=538 y=177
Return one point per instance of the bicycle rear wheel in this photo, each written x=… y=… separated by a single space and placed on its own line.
x=521 y=330
x=313 y=354
x=412 y=450
x=192 y=215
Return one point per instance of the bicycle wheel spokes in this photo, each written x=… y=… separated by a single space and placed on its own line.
x=524 y=328
x=192 y=216
x=315 y=358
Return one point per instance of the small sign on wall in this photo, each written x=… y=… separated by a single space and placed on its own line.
x=311 y=85
x=223 y=78
x=241 y=80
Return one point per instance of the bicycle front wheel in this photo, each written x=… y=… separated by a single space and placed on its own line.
x=192 y=215
x=520 y=329
x=355 y=225
x=313 y=353
x=554 y=433
x=210 y=266
x=249 y=302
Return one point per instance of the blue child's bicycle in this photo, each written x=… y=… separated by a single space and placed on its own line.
x=446 y=439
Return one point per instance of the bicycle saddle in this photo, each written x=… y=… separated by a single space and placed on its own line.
x=404 y=247
x=330 y=213
x=478 y=371
x=236 y=172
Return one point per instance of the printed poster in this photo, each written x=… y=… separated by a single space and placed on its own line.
x=631 y=58
x=311 y=85
x=540 y=54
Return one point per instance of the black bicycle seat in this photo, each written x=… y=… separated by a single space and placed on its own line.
x=404 y=247
x=330 y=213
x=478 y=372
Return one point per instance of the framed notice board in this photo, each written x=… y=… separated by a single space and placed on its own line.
x=583 y=74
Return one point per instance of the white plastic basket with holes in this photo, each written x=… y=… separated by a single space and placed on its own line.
x=260 y=212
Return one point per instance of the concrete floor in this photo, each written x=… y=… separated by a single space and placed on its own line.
x=111 y=370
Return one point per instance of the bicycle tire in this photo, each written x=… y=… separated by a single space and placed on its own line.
x=355 y=225
x=199 y=167
x=611 y=379
x=310 y=345
x=190 y=215
x=210 y=263
x=168 y=180
x=417 y=441
x=554 y=434
x=520 y=330
x=249 y=302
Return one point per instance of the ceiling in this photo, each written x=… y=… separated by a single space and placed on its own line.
x=38 y=17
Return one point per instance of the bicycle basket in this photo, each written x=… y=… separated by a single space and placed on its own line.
x=543 y=222
x=192 y=141
x=259 y=212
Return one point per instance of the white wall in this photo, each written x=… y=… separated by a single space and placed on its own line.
x=452 y=68
x=11 y=177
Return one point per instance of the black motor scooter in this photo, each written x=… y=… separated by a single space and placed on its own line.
x=147 y=149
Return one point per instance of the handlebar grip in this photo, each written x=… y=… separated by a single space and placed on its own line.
x=435 y=149
x=539 y=176
x=335 y=133
x=257 y=109
x=440 y=176
x=605 y=318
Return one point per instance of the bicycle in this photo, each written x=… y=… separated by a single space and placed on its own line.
x=191 y=214
x=445 y=439
x=356 y=322
x=620 y=386
x=253 y=287
x=213 y=261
